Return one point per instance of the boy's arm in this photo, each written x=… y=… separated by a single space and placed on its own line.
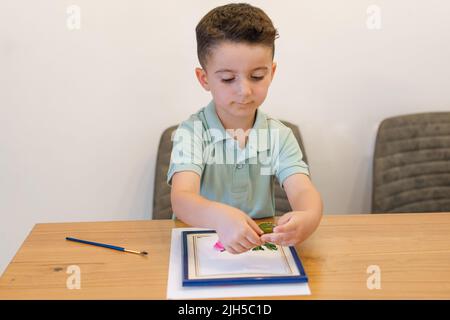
x=236 y=230
x=296 y=226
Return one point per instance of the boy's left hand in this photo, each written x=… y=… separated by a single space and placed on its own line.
x=293 y=228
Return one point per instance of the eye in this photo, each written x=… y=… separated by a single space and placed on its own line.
x=227 y=80
x=257 y=78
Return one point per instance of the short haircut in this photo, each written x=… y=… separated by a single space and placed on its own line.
x=235 y=22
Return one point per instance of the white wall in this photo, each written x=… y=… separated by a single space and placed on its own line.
x=81 y=111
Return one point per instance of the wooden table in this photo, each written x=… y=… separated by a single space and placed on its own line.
x=411 y=250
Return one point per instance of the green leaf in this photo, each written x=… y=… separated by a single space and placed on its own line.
x=267 y=227
x=258 y=248
x=270 y=246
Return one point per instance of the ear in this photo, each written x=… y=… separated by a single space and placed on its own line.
x=202 y=78
x=274 y=68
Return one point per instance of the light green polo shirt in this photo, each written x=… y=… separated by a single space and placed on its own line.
x=242 y=178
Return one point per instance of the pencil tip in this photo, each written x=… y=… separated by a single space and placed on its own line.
x=144 y=252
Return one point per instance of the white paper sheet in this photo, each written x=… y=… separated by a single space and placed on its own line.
x=210 y=263
x=175 y=290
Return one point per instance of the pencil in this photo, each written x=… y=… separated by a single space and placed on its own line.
x=107 y=246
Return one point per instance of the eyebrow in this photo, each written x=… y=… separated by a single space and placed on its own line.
x=229 y=70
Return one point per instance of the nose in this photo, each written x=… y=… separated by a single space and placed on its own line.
x=244 y=88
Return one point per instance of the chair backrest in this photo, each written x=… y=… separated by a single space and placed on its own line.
x=281 y=201
x=411 y=167
x=161 y=195
x=162 y=208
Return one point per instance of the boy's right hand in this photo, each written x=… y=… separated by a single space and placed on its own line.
x=237 y=231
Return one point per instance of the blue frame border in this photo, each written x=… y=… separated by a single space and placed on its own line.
x=242 y=280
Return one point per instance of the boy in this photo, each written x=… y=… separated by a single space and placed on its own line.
x=226 y=155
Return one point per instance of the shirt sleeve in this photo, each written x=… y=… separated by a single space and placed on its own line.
x=187 y=150
x=290 y=159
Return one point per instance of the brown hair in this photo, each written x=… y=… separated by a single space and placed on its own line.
x=236 y=22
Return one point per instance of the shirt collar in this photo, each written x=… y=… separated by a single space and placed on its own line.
x=214 y=123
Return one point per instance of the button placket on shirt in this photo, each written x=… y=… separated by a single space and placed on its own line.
x=240 y=172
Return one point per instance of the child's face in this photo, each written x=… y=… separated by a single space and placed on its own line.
x=238 y=76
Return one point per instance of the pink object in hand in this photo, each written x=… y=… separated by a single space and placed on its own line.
x=219 y=246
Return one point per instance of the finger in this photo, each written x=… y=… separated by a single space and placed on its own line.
x=254 y=241
x=284 y=219
x=284 y=228
x=248 y=244
x=239 y=248
x=253 y=238
x=254 y=226
x=231 y=250
x=252 y=234
x=276 y=238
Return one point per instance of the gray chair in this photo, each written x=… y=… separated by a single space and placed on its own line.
x=281 y=201
x=161 y=195
x=411 y=169
x=162 y=208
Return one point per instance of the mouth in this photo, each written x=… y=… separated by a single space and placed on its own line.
x=244 y=104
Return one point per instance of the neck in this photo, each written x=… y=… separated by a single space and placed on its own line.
x=233 y=123
x=238 y=128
